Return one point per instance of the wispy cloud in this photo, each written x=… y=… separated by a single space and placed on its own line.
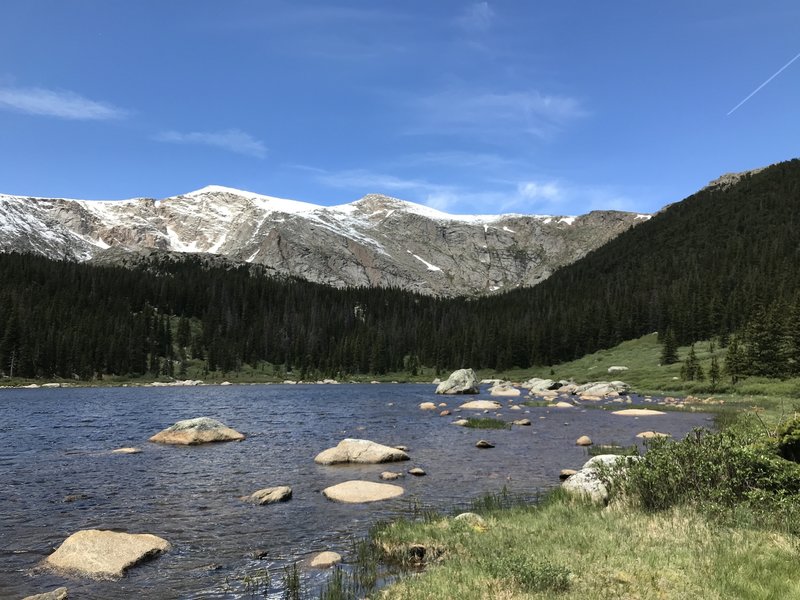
x=478 y=16
x=468 y=112
x=232 y=140
x=526 y=195
x=533 y=190
x=57 y=103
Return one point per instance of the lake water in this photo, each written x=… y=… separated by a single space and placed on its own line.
x=56 y=442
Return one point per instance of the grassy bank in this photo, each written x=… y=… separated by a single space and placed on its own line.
x=713 y=516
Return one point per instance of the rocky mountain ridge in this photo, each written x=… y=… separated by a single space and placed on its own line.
x=374 y=241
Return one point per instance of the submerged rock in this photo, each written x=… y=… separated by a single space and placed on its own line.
x=484 y=444
x=201 y=430
x=104 y=554
x=462 y=381
x=270 y=495
x=359 y=451
x=357 y=492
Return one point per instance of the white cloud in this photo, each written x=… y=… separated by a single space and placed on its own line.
x=61 y=104
x=533 y=190
x=478 y=16
x=469 y=112
x=232 y=140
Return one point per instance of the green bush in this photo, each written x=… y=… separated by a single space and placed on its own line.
x=789 y=440
x=714 y=471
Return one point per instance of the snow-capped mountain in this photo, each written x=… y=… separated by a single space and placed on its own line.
x=375 y=241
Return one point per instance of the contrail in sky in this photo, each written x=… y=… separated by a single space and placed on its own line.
x=758 y=89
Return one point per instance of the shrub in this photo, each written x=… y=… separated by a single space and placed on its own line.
x=788 y=435
x=719 y=470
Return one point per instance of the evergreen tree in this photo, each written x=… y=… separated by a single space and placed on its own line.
x=714 y=372
x=669 y=348
x=735 y=360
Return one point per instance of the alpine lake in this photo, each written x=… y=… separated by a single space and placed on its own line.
x=58 y=475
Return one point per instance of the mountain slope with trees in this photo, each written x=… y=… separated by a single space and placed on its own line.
x=722 y=261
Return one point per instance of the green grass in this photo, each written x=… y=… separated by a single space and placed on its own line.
x=486 y=423
x=567 y=549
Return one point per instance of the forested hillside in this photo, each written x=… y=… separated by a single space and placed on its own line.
x=703 y=267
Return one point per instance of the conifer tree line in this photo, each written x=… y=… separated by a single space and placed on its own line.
x=710 y=266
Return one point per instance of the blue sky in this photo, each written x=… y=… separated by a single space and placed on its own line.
x=495 y=106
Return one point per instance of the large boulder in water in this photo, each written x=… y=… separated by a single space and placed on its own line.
x=56 y=594
x=463 y=381
x=104 y=554
x=357 y=492
x=197 y=431
x=359 y=451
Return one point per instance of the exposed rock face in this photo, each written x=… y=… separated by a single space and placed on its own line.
x=104 y=554
x=270 y=495
x=358 y=492
x=481 y=405
x=359 y=451
x=462 y=381
x=201 y=430
x=375 y=241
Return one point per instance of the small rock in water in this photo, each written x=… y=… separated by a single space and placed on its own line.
x=427 y=406
x=584 y=440
x=444 y=413
x=417 y=471
x=356 y=492
x=484 y=444
x=460 y=422
x=56 y=594
x=126 y=450
x=270 y=495
x=324 y=560
x=522 y=422
x=391 y=475
x=649 y=435
x=566 y=473
x=75 y=497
